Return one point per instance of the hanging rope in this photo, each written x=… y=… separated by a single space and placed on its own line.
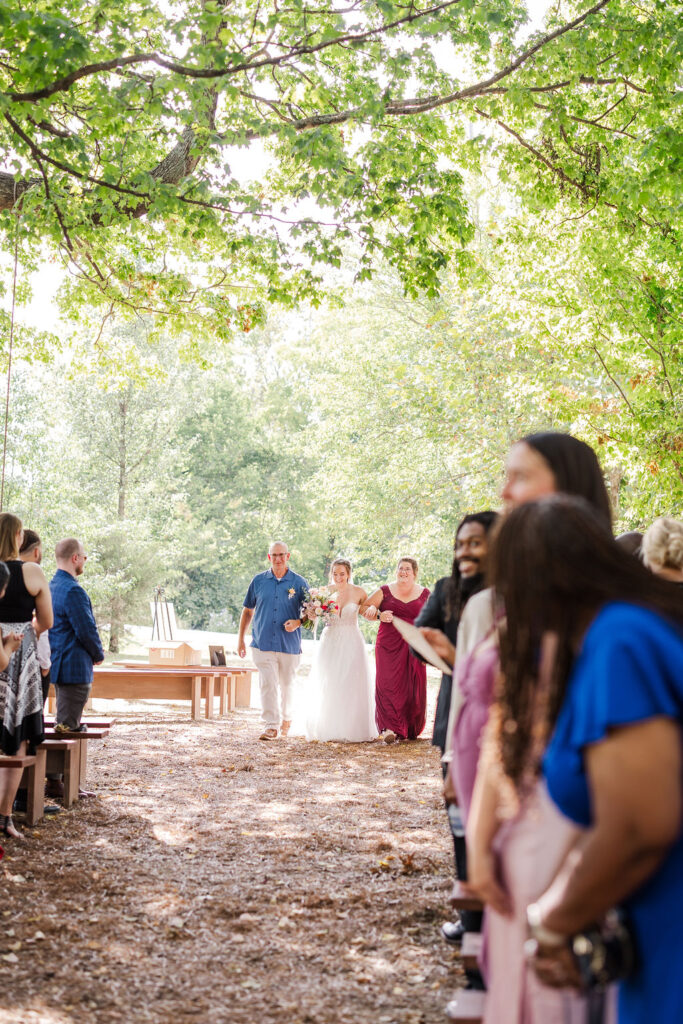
x=9 y=356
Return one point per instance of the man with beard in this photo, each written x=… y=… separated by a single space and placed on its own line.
x=449 y=597
x=74 y=638
x=443 y=611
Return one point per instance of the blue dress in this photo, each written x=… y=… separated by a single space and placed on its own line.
x=630 y=669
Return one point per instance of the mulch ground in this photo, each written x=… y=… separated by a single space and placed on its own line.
x=217 y=878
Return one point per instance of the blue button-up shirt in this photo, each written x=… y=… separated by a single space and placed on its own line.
x=74 y=637
x=274 y=601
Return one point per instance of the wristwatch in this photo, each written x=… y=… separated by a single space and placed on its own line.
x=544 y=936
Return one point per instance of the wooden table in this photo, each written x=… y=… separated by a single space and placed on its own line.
x=140 y=681
x=228 y=679
x=116 y=683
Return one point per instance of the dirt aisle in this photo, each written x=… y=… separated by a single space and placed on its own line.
x=221 y=879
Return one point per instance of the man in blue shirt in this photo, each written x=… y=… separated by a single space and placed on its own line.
x=74 y=639
x=273 y=602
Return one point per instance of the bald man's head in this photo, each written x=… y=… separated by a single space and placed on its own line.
x=70 y=556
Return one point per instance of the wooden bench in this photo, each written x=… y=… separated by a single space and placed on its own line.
x=467 y=1006
x=470 y=950
x=81 y=738
x=461 y=899
x=94 y=723
x=63 y=758
x=33 y=780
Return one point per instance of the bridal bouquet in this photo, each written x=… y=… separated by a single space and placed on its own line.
x=317 y=607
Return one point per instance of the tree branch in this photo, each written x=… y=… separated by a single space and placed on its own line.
x=614 y=381
x=430 y=103
x=65 y=83
x=562 y=174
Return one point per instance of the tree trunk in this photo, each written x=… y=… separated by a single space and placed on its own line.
x=116 y=621
x=115 y=626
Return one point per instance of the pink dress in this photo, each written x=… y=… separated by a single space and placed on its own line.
x=475 y=680
x=530 y=847
x=401 y=680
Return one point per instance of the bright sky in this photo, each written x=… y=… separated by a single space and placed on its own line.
x=42 y=313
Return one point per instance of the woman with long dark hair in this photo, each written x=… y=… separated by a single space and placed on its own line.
x=612 y=697
x=529 y=846
x=544 y=463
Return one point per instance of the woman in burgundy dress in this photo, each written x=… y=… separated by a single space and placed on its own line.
x=401 y=680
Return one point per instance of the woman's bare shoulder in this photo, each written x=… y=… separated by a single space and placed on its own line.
x=34 y=577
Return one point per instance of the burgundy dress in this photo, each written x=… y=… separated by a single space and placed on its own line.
x=401 y=680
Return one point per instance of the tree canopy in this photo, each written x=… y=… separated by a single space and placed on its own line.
x=476 y=228
x=122 y=124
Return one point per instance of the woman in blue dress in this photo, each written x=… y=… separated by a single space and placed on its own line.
x=614 y=764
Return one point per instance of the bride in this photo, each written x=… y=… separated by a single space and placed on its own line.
x=342 y=701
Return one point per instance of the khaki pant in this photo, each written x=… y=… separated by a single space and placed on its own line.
x=276 y=672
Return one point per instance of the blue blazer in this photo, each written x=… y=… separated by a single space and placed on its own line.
x=74 y=639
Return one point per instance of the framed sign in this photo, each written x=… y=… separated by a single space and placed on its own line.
x=217 y=655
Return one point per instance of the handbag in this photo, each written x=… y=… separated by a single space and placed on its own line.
x=604 y=954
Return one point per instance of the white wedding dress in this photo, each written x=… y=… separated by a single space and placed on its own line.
x=341 y=693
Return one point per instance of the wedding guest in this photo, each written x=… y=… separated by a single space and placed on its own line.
x=614 y=706
x=631 y=541
x=21 y=694
x=442 y=611
x=401 y=679
x=8 y=645
x=74 y=639
x=32 y=551
x=451 y=593
x=545 y=463
x=662 y=549
x=537 y=465
x=273 y=601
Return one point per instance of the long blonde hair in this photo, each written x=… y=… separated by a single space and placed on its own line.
x=10 y=526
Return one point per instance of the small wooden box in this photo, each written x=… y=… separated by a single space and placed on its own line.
x=174 y=652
